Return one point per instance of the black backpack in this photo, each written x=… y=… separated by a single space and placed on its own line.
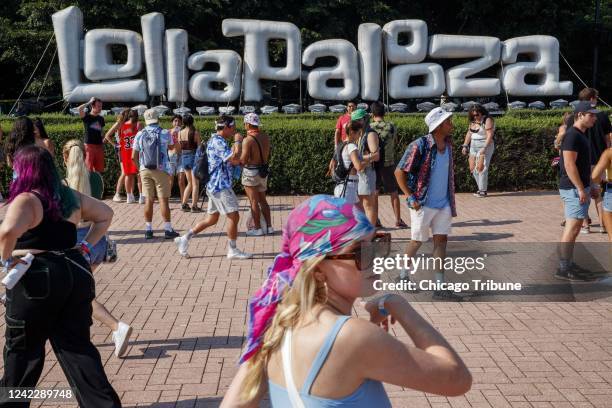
x=200 y=168
x=381 y=148
x=341 y=172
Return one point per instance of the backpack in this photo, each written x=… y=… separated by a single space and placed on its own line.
x=341 y=172
x=386 y=133
x=151 y=155
x=200 y=168
x=381 y=148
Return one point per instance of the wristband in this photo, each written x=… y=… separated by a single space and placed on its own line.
x=7 y=263
x=381 y=305
x=465 y=146
x=86 y=247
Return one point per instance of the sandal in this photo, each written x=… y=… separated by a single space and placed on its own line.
x=401 y=224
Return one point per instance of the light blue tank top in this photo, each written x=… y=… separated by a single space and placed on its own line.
x=369 y=394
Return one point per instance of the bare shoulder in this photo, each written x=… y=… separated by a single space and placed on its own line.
x=360 y=335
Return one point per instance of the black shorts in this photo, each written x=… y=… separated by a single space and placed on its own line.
x=385 y=177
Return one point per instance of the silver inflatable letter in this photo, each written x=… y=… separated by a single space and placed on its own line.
x=544 y=62
x=369 y=40
x=153 y=37
x=98 y=56
x=399 y=76
x=257 y=34
x=347 y=57
x=415 y=51
x=176 y=57
x=229 y=73
x=463 y=46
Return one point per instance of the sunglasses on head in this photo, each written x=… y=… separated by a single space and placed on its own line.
x=364 y=254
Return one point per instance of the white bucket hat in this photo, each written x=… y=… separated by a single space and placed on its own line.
x=435 y=118
x=252 y=119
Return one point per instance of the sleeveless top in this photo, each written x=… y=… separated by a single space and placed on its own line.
x=369 y=394
x=126 y=136
x=481 y=134
x=49 y=235
x=187 y=142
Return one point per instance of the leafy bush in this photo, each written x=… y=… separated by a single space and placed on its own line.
x=302 y=147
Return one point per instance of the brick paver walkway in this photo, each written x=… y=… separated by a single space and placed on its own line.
x=189 y=315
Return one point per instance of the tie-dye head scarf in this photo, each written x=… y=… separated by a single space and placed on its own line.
x=320 y=225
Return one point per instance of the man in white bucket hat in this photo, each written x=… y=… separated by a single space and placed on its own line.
x=425 y=175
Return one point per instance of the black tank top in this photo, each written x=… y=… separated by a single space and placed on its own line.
x=49 y=235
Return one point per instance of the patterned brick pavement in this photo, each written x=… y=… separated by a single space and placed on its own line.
x=189 y=315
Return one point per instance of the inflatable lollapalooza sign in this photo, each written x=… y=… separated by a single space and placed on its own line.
x=168 y=63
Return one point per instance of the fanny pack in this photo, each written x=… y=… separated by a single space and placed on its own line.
x=264 y=169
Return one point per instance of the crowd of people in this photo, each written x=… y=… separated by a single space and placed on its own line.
x=316 y=278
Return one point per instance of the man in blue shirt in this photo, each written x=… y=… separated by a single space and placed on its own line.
x=156 y=177
x=425 y=175
x=221 y=196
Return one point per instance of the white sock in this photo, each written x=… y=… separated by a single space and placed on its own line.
x=232 y=243
x=189 y=234
x=149 y=226
x=168 y=226
x=440 y=277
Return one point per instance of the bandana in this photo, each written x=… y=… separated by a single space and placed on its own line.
x=320 y=225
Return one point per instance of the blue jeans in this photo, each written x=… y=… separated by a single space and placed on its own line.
x=607 y=199
x=187 y=160
x=571 y=202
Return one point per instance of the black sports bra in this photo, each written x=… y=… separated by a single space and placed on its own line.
x=49 y=235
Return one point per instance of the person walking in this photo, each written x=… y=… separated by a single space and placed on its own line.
x=189 y=139
x=480 y=145
x=222 y=200
x=52 y=301
x=93 y=123
x=426 y=176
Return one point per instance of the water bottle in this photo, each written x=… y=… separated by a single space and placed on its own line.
x=13 y=276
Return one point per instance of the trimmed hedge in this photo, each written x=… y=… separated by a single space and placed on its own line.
x=302 y=147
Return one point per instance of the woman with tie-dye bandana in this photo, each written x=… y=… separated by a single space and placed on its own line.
x=302 y=343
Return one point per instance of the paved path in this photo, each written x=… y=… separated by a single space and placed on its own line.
x=189 y=315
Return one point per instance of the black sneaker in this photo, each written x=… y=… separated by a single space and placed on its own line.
x=185 y=207
x=196 y=209
x=571 y=276
x=149 y=234
x=378 y=224
x=447 y=295
x=170 y=234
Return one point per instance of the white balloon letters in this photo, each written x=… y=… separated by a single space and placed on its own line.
x=87 y=67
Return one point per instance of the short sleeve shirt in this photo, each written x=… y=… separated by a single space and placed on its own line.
x=94 y=125
x=165 y=141
x=219 y=152
x=341 y=125
x=576 y=141
x=597 y=135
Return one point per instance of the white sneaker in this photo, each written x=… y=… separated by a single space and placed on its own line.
x=270 y=231
x=235 y=253
x=183 y=245
x=255 y=232
x=117 y=198
x=121 y=337
x=130 y=199
x=141 y=199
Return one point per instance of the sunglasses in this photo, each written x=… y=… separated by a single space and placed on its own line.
x=366 y=252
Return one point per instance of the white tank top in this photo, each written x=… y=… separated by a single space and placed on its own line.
x=482 y=133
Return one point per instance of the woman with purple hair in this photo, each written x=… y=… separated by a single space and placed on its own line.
x=52 y=301
x=303 y=345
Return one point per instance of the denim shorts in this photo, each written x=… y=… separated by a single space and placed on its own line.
x=607 y=199
x=173 y=160
x=187 y=160
x=99 y=250
x=571 y=202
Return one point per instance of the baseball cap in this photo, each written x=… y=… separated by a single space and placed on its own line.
x=435 y=118
x=584 y=107
x=359 y=114
x=252 y=119
x=151 y=116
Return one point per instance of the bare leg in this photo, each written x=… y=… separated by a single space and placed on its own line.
x=253 y=195
x=265 y=207
x=101 y=314
x=148 y=209
x=411 y=250
x=164 y=207
x=232 y=225
x=395 y=204
x=607 y=220
x=188 y=188
x=129 y=184
x=209 y=221
x=139 y=184
x=120 y=183
x=182 y=184
x=195 y=190
x=367 y=201
x=568 y=238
